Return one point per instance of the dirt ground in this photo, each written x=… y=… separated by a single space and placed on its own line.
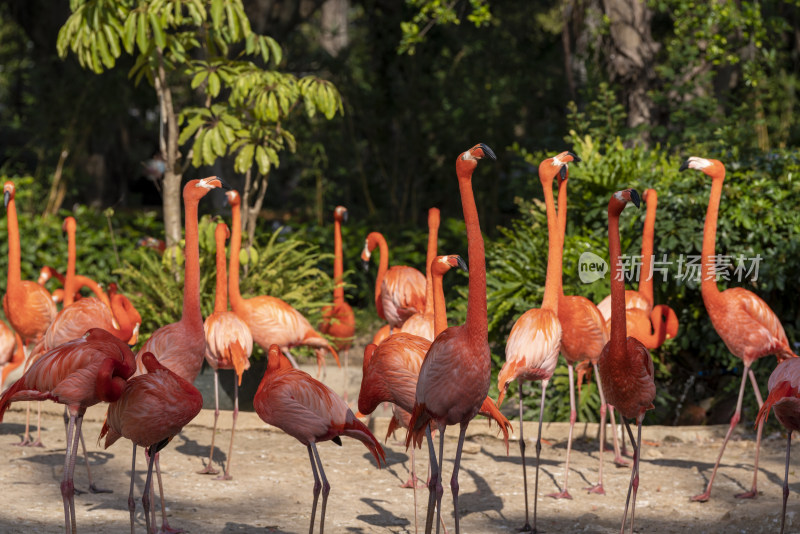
x=272 y=481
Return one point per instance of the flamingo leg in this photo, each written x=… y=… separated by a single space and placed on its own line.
x=598 y=488
x=439 y=487
x=346 y=377
x=146 y=493
x=618 y=454
x=72 y=459
x=454 y=478
x=326 y=488
x=26 y=438
x=209 y=468
x=637 y=453
x=289 y=357
x=432 y=480
x=317 y=488
x=92 y=487
x=165 y=528
x=538 y=453
x=38 y=442
x=573 y=416
x=227 y=474
x=703 y=497
x=630 y=484
x=131 y=501
x=786 y=480
x=754 y=490
x=414 y=487
x=527 y=526
x=66 y=491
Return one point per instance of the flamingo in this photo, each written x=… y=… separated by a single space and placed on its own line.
x=311 y=412
x=454 y=377
x=584 y=334
x=271 y=320
x=229 y=346
x=80 y=373
x=421 y=323
x=152 y=409
x=383 y=332
x=181 y=346
x=399 y=290
x=746 y=324
x=27 y=305
x=535 y=339
x=12 y=353
x=46 y=273
x=784 y=398
x=625 y=367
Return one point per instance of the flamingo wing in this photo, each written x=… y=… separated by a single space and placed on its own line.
x=402 y=294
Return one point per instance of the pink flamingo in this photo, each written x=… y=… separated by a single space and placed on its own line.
x=454 y=377
x=230 y=345
x=625 y=367
x=80 y=373
x=310 y=412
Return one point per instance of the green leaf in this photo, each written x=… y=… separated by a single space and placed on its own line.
x=197 y=148
x=262 y=159
x=213 y=83
x=216 y=13
x=158 y=31
x=141 y=34
x=244 y=159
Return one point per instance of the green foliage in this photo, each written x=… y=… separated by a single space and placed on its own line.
x=430 y=13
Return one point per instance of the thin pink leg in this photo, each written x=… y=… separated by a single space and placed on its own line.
x=67 y=488
x=317 y=488
x=326 y=488
x=753 y=493
x=786 y=480
x=148 y=485
x=432 y=481
x=637 y=454
x=598 y=488
x=527 y=526
x=454 y=478
x=573 y=416
x=92 y=487
x=131 y=501
x=165 y=528
x=38 y=442
x=703 y=497
x=538 y=453
x=618 y=453
x=227 y=475
x=209 y=468
x=26 y=439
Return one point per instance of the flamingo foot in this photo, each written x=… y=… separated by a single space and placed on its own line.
x=560 y=495
x=527 y=528
x=166 y=529
x=411 y=482
x=703 y=497
x=225 y=476
x=26 y=442
x=752 y=494
x=619 y=461
x=38 y=443
x=95 y=489
x=208 y=470
x=597 y=488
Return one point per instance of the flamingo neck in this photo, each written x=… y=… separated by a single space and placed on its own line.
x=648 y=233
x=94 y=287
x=383 y=265
x=14 y=273
x=221 y=293
x=618 y=327
x=552 y=283
x=476 y=321
x=439 y=308
x=433 y=245
x=708 y=285
x=338 y=267
x=69 y=282
x=120 y=309
x=191 y=272
x=562 y=226
x=236 y=245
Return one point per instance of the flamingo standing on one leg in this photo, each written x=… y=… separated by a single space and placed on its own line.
x=311 y=412
x=535 y=339
x=181 y=346
x=27 y=305
x=80 y=373
x=784 y=398
x=625 y=367
x=747 y=325
x=399 y=290
x=230 y=345
x=421 y=323
x=454 y=377
x=338 y=320
x=152 y=409
x=271 y=320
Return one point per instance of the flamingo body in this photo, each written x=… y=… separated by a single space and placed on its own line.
x=402 y=294
x=230 y=342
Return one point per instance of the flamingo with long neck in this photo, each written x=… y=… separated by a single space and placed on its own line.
x=271 y=320
x=339 y=322
x=454 y=377
x=625 y=367
x=746 y=324
x=534 y=343
x=421 y=324
x=229 y=346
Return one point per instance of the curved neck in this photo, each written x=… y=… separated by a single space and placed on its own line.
x=236 y=245
x=708 y=285
x=338 y=267
x=69 y=282
x=476 y=321
x=553 y=281
x=433 y=245
x=191 y=270
x=648 y=233
x=383 y=265
x=94 y=287
x=439 y=308
x=221 y=295
x=120 y=307
x=618 y=327
x=562 y=228
x=14 y=274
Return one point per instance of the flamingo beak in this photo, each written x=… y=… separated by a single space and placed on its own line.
x=575 y=157
x=462 y=264
x=6 y=198
x=365 y=265
x=684 y=166
x=344 y=217
x=635 y=197
x=488 y=151
x=224 y=185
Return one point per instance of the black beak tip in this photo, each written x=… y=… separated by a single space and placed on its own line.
x=684 y=166
x=488 y=151
x=635 y=198
x=575 y=157
x=344 y=217
x=225 y=186
x=365 y=265
x=462 y=264
x=6 y=198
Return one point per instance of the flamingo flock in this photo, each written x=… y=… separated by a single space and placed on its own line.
x=433 y=375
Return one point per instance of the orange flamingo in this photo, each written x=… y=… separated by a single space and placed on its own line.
x=80 y=373
x=181 y=346
x=271 y=320
x=152 y=409
x=625 y=367
x=535 y=339
x=338 y=320
x=454 y=377
x=311 y=412
x=46 y=273
x=746 y=324
x=421 y=323
x=784 y=398
x=27 y=305
x=399 y=290
x=230 y=345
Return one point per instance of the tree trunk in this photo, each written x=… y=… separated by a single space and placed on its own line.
x=168 y=145
x=333 y=37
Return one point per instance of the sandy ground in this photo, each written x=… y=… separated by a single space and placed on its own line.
x=272 y=481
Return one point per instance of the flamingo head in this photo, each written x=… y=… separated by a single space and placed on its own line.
x=372 y=241
x=69 y=225
x=197 y=189
x=468 y=160
x=442 y=264
x=340 y=214
x=233 y=197
x=557 y=165
x=222 y=232
x=650 y=195
x=434 y=218
x=621 y=198
x=8 y=192
x=711 y=167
